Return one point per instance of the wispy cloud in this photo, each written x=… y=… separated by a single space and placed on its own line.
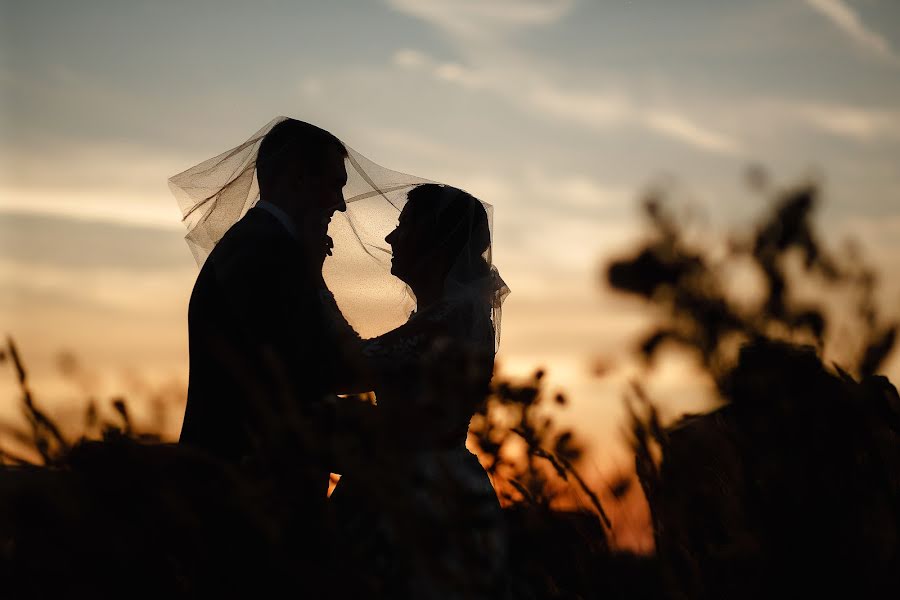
x=476 y=18
x=681 y=128
x=599 y=110
x=605 y=110
x=106 y=180
x=576 y=191
x=451 y=72
x=862 y=124
x=845 y=18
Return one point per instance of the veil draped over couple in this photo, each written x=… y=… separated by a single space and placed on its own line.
x=328 y=281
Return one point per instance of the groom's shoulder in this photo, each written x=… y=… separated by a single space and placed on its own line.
x=250 y=247
x=254 y=233
x=256 y=222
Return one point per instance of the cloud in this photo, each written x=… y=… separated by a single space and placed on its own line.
x=476 y=18
x=683 y=129
x=609 y=109
x=108 y=180
x=67 y=162
x=576 y=190
x=75 y=245
x=131 y=290
x=847 y=20
x=862 y=124
x=311 y=87
x=595 y=109
x=410 y=59
x=589 y=108
x=412 y=143
x=451 y=72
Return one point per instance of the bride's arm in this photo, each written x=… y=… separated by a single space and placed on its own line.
x=362 y=362
x=350 y=374
x=354 y=377
x=353 y=433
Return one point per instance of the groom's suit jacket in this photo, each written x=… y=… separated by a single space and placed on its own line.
x=260 y=349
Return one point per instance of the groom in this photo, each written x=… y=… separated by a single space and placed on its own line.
x=262 y=357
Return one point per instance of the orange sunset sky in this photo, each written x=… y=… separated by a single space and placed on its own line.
x=557 y=112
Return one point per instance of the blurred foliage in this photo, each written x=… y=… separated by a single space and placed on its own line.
x=540 y=474
x=792 y=488
x=687 y=278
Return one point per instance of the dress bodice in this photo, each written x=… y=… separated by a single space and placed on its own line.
x=429 y=378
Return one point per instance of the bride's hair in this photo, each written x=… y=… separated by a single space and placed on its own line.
x=292 y=145
x=457 y=226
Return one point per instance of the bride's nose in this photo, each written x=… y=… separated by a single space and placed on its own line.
x=389 y=238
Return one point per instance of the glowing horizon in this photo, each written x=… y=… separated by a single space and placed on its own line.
x=560 y=114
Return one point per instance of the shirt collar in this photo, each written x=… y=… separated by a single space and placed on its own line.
x=281 y=216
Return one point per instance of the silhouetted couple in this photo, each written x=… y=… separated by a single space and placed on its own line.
x=414 y=514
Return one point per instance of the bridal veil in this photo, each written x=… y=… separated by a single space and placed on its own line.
x=216 y=193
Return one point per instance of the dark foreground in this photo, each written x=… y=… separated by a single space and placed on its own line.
x=791 y=490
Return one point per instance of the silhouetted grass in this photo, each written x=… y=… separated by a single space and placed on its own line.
x=127 y=512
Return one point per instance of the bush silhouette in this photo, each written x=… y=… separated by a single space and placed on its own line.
x=791 y=488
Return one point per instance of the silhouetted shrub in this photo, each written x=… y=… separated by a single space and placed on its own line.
x=791 y=489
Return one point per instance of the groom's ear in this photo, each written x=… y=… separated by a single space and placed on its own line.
x=302 y=179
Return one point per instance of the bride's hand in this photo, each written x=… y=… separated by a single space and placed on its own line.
x=356 y=425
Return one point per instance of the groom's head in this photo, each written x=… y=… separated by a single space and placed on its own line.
x=300 y=167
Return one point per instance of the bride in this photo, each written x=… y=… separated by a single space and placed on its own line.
x=420 y=511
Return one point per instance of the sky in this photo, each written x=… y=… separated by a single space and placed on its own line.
x=560 y=113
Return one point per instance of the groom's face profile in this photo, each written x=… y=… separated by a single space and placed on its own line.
x=300 y=168
x=405 y=243
x=319 y=195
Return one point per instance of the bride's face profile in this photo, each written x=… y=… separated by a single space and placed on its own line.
x=436 y=227
x=403 y=245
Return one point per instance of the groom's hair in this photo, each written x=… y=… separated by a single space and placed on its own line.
x=292 y=145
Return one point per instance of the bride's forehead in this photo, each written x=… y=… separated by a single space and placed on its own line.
x=405 y=214
x=412 y=209
x=408 y=219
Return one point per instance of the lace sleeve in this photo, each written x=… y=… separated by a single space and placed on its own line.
x=403 y=345
x=409 y=341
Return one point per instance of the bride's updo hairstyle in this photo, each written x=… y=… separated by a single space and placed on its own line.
x=452 y=232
